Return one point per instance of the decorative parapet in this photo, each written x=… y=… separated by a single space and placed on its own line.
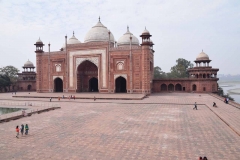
x=125 y=48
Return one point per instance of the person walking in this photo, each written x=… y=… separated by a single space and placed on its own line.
x=17 y=130
x=195 y=106
x=74 y=97
x=26 y=129
x=22 y=129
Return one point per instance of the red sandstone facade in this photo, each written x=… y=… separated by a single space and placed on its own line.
x=102 y=65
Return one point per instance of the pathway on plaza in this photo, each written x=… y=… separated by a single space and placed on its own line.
x=162 y=126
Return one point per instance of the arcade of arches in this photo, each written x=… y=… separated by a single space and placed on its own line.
x=184 y=87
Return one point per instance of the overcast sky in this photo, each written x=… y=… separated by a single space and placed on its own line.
x=179 y=28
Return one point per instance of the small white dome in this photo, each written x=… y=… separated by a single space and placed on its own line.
x=98 y=33
x=28 y=64
x=39 y=41
x=125 y=39
x=145 y=32
x=72 y=40
x=202 y=56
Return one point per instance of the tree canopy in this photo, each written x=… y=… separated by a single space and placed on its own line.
x=180 y=69
x=158 y=73
x=8 y=76
x=177 y=71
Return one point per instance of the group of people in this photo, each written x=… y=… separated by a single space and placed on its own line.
x=69 y=97
x=204 y=158
x=226 y=100
x=22 y=130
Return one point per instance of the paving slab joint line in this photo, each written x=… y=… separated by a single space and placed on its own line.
x=224 y=121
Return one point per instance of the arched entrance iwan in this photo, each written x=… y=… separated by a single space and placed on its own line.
x=58 y=85
x=86 y=77
x=120 y=85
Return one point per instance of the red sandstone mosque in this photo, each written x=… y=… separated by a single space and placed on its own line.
x=99 y=64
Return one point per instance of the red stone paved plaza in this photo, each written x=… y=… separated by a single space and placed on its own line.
x=162 y=126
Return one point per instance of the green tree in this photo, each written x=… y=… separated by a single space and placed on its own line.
x=180 y=69
x=158 y=73
x=8 y=77
x=11 y=72
x=4 y=82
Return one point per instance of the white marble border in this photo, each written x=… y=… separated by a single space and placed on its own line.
x=87 y=53
x=54 y=77
x=120 y=75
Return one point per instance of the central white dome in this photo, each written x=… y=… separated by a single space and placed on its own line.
x=125 y=39
x=98 y=33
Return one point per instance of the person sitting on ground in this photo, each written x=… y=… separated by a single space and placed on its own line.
x=225 y=100
x=205 y=158
x=200 y=158
x=214 y=104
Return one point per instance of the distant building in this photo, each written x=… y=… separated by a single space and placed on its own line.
x=27 y=79
x=100 y=64
x=202 y=78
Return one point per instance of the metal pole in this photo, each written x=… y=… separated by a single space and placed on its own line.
x=49 y=90
x=131 y=85
x=66 y=67
x=109 y=59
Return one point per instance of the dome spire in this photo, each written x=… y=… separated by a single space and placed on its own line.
x=127 y=28
x=99 y=19
x=73 y=33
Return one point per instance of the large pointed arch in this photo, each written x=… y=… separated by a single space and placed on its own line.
x=87 y=76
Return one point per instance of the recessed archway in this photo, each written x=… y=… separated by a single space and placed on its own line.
x=86 y=77
x=120 y=85
x=178 y=87
x=29 y=87
x=58 y=85
x=93 y=85
x=170 y=87
x=194 y=87
x=163 y=87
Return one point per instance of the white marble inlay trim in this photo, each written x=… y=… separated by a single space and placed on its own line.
x=94 y=60
x=103 y=67
x=120 y=75
x=61 y=77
